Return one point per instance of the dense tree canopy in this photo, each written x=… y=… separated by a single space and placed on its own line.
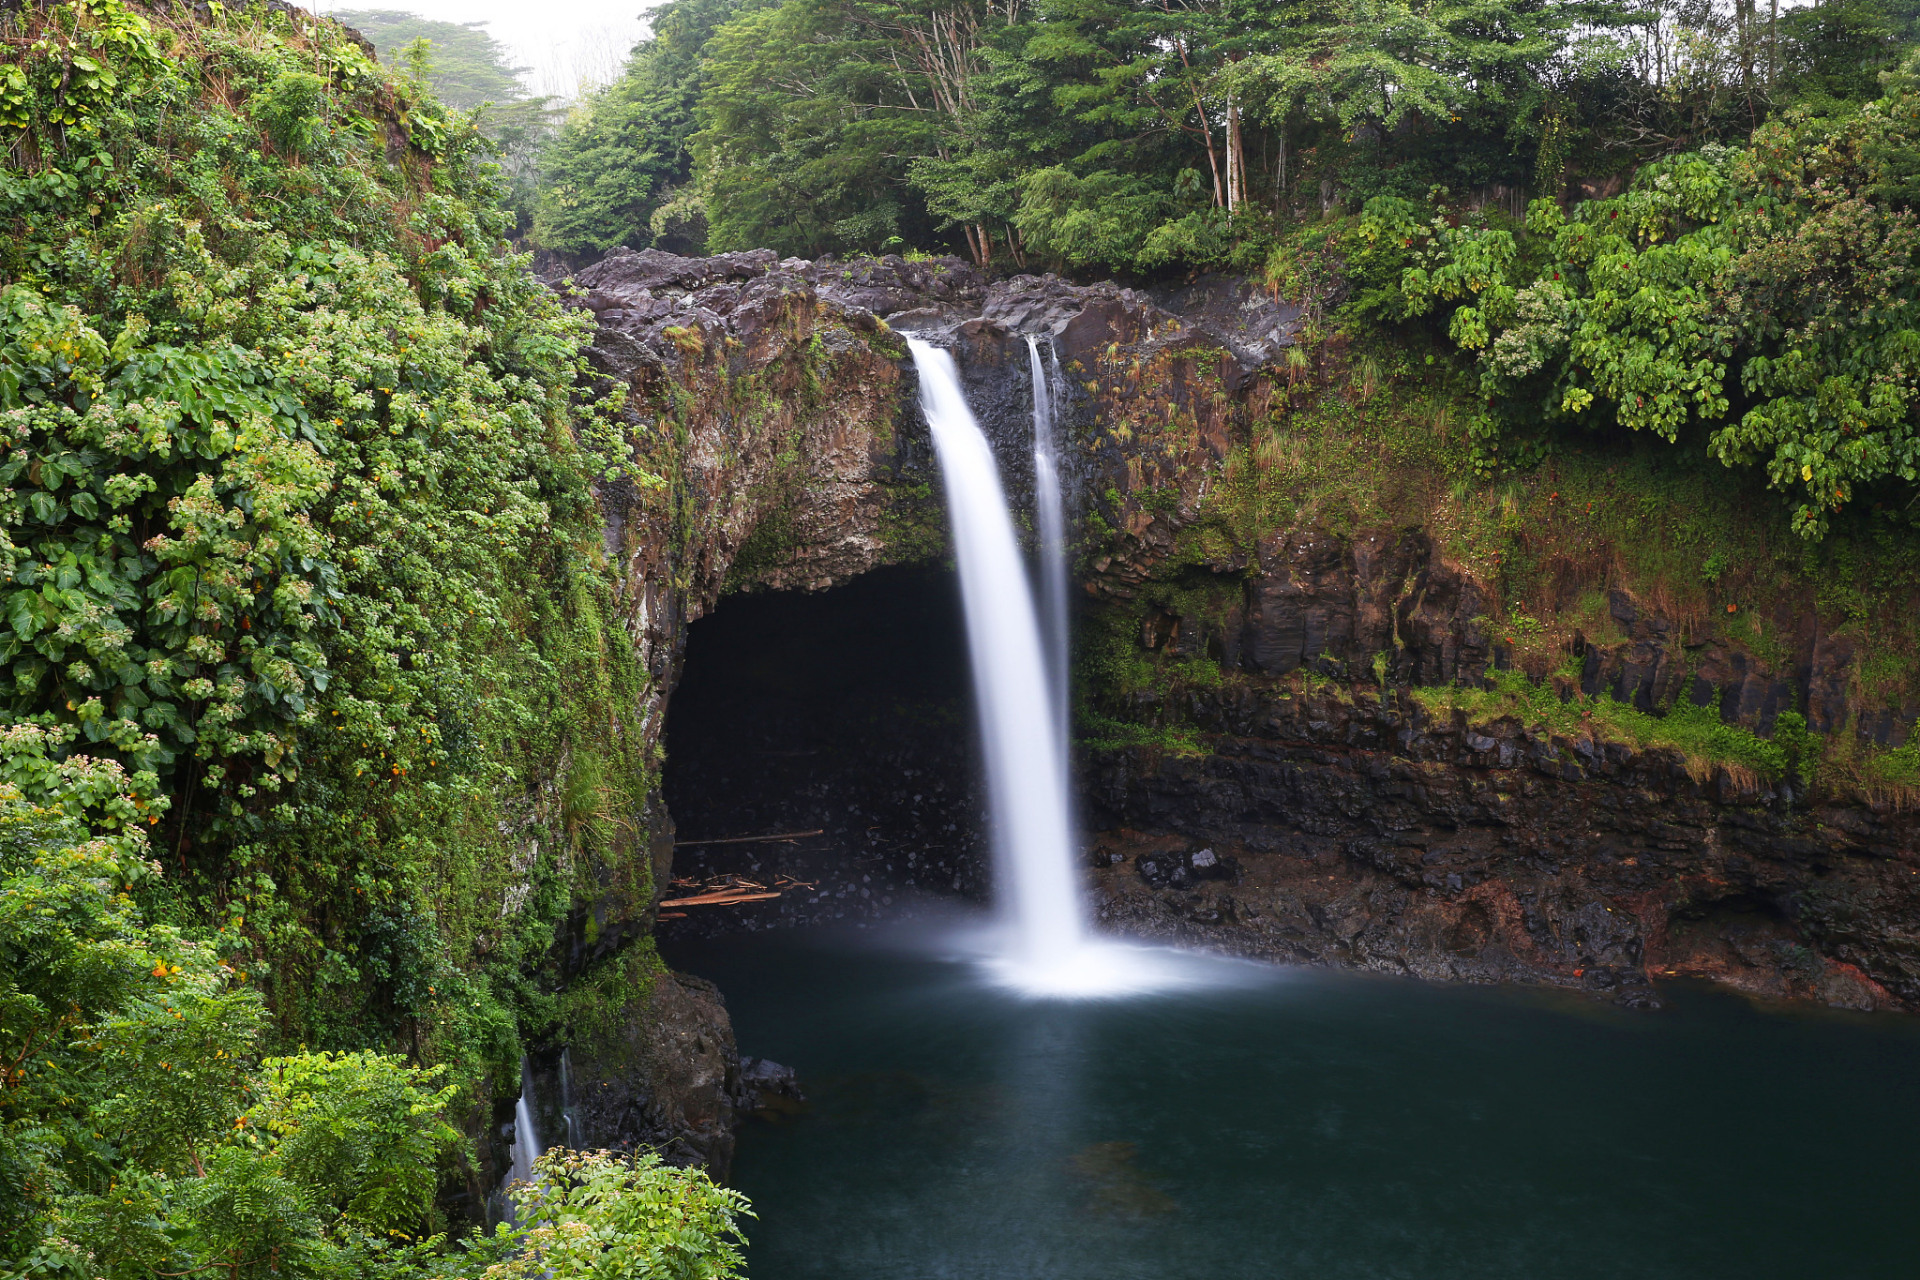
x=622 y=154
x=1121 y=135
x=1749 y=293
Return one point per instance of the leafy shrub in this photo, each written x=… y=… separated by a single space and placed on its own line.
x=139 y=1131
x=1765 y=298
x=591 y=1214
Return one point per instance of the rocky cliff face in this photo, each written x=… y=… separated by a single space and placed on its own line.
x=1359 y=827
x=1322 y=808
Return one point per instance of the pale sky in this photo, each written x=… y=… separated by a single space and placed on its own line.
x=561 y=41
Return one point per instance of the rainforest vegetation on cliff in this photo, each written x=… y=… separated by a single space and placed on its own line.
x=303 y=593
x=1745 y=281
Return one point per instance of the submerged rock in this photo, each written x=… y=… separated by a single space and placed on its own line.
x=766 y=1085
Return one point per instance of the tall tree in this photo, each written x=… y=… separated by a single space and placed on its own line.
x=469 y=66
x=624 y=152
x=814 y=111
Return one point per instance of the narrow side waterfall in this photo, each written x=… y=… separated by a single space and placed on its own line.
x=526 y=1138
x=1050 y=505
x=1026 y=779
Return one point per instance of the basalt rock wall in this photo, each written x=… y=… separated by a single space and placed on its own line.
x=1354 y=825
x=1341 y=817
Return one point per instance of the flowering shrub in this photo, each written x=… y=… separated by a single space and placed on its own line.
x=592 y=1214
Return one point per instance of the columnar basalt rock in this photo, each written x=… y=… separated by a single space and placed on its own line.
x=1365 y=830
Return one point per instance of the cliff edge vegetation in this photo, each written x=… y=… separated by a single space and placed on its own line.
x=316 y=726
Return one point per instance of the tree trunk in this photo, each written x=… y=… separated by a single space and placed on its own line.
x=1743 y=26
x=1773 y=43
x=1233 y=173
x=973 y=245
x=1236 y=158
x=1206 y=134
x=1206 y=128
x=1280 y=172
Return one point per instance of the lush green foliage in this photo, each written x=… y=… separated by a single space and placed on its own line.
x=611 y=175
x=1762 y=298
x=142 y=1133
x=297 y=525
x=590 y=1214
x=312 y=727
x=139 y=1131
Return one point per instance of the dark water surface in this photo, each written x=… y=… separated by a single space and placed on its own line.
x=1311 y=1124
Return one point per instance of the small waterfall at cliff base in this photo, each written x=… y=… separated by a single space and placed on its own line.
x=1021 y=704
x=525 y=1149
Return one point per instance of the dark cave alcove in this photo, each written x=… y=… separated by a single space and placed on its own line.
x=846 y=711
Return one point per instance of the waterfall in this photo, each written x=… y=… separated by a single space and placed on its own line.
x=1050 y=505
x=1020 y=692
x=1020 y=731
x=525 y=1150
x=526 y=1138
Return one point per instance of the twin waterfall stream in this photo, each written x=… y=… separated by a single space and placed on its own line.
x=1018 y=652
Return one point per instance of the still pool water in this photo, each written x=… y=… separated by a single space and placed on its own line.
x=1310 y=1124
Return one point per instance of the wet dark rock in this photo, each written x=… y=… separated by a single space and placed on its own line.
x=765 y=1085
x=1181 y=870
x=1334 y=605
x=1367 y=832
x=1239 y=314
x=664 y=1077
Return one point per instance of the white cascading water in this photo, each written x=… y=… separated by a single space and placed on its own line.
x=1026 y=784
x=1050 y=505
x=526 y=1142
x=1021 y=705
x=525 y=1150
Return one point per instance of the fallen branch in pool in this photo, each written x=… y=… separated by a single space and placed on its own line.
x=726 y=891
x=724 y=898
x=779 y=835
